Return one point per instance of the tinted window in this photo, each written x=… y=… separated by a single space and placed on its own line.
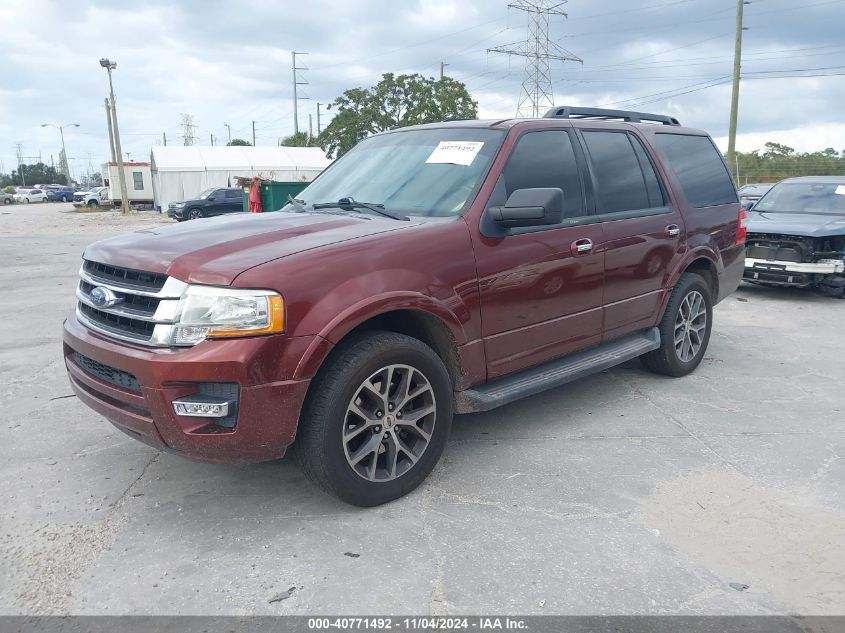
x=233 y=193
x=546 y=159
x=619 y=177
x=700 y=169
x=652 y=184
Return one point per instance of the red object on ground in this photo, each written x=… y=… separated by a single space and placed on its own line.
x=254 y=201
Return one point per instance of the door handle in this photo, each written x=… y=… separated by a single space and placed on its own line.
x=581 y=247
x=673 y=230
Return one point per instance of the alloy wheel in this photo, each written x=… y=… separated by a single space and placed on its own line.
x=389 y=423
x=690 y=326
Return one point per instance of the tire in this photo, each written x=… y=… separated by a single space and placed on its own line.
x=7 y=201
x=93 y=204
x=691 y=292
x=196 y=214
x=64 y=198
x=342 y=398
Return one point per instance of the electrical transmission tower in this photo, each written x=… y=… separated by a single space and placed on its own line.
x=188 y=129
x=537 y=94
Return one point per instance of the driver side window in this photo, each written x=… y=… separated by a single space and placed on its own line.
x=546 y=159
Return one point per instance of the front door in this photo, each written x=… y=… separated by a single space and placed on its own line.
x=643 y=231
x=541 y=287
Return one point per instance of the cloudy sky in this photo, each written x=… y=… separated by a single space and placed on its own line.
x=229 y=62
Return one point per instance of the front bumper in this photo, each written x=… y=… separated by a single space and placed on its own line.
x=270 y=397
x=790 y=273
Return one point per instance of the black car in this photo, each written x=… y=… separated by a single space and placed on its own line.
x=208 y=203
x=796 y=235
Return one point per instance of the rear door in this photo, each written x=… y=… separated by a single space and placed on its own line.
x=234 y=200
x=643 y=230
x=216 y=202
x=540 y=296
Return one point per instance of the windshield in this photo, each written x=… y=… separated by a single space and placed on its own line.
x=827 y=198
x=432 y=172
x=205 y=194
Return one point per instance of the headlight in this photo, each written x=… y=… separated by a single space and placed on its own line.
x=209 y=312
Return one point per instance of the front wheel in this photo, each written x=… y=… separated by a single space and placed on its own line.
x=64 y=199
x=196 y=214
x=684 y=329
x=26 y=200
x=376 y=419
x=93 y=204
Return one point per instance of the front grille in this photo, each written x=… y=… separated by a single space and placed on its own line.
x=145 y=306
x=107 y=374
x=784 y=248
x=125 y=276
x=142 y=330
x=77 y=198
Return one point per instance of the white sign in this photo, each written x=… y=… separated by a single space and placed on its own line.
x=455 y=152
x=840 y=190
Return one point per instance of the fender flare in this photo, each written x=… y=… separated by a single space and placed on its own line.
x=361 y=312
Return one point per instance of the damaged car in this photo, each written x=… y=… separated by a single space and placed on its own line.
x=796 y=235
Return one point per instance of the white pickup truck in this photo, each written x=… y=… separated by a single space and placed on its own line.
x=94 y=198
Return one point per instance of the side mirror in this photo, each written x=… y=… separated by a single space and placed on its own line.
x=210 y=198
x=530 y=207
x=750 y=205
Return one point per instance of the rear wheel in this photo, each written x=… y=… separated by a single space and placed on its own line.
x=376 y=419
x=684 y=329
x=7 y=201
x=195 y=214
x=64 y=198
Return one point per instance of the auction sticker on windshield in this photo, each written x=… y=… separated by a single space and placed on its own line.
x=840 y=190
x=455 y=152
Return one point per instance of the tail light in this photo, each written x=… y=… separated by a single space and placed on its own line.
x=742 y=227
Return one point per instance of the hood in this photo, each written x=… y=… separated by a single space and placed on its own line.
x=216 y=250
x=803 y=224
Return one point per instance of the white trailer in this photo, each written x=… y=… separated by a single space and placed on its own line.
x=139 y=183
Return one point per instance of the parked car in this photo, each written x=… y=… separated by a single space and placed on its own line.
x=751 y=193
x=31 y=195
x=8 y=198
x=209 y=203
x=60 y=194
x=796 y=235
x=432 y=270
x=92 y=198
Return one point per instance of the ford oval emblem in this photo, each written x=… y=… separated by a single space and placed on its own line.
x=104 y=298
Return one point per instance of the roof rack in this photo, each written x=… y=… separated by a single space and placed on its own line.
x=569 y=112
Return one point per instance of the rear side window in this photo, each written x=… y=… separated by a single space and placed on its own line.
x=233 y=193
x=546 y=159
x=699 y=168
x=624 y=176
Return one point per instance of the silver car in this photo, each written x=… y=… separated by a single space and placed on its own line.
x=8 y=198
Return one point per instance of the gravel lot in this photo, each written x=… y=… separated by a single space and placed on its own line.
x=622 y=493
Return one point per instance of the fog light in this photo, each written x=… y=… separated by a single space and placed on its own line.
x=200 y=406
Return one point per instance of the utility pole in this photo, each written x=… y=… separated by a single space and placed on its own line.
x=229 y=128
x=442 y=69
x=296 y=82
x=124 y=199
x=310 y=129
x=164 y=138
x=735 y=91
x=111 y=131
x=537 y=49
x=319 y=128
x=212 y=139
x=253 y=133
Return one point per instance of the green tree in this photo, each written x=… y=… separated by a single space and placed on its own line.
x=299 y=139
x=395 y=101
x=239 y=141
x=39 y=173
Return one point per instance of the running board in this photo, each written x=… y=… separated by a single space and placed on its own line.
x=556 y=373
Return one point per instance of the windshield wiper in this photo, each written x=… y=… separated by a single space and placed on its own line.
x=350 y=204
x=296 y=204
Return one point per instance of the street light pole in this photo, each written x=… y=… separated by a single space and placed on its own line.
x=63 y=164
x=124 y=199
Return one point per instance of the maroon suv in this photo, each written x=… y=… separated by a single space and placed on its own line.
x=432 y=270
